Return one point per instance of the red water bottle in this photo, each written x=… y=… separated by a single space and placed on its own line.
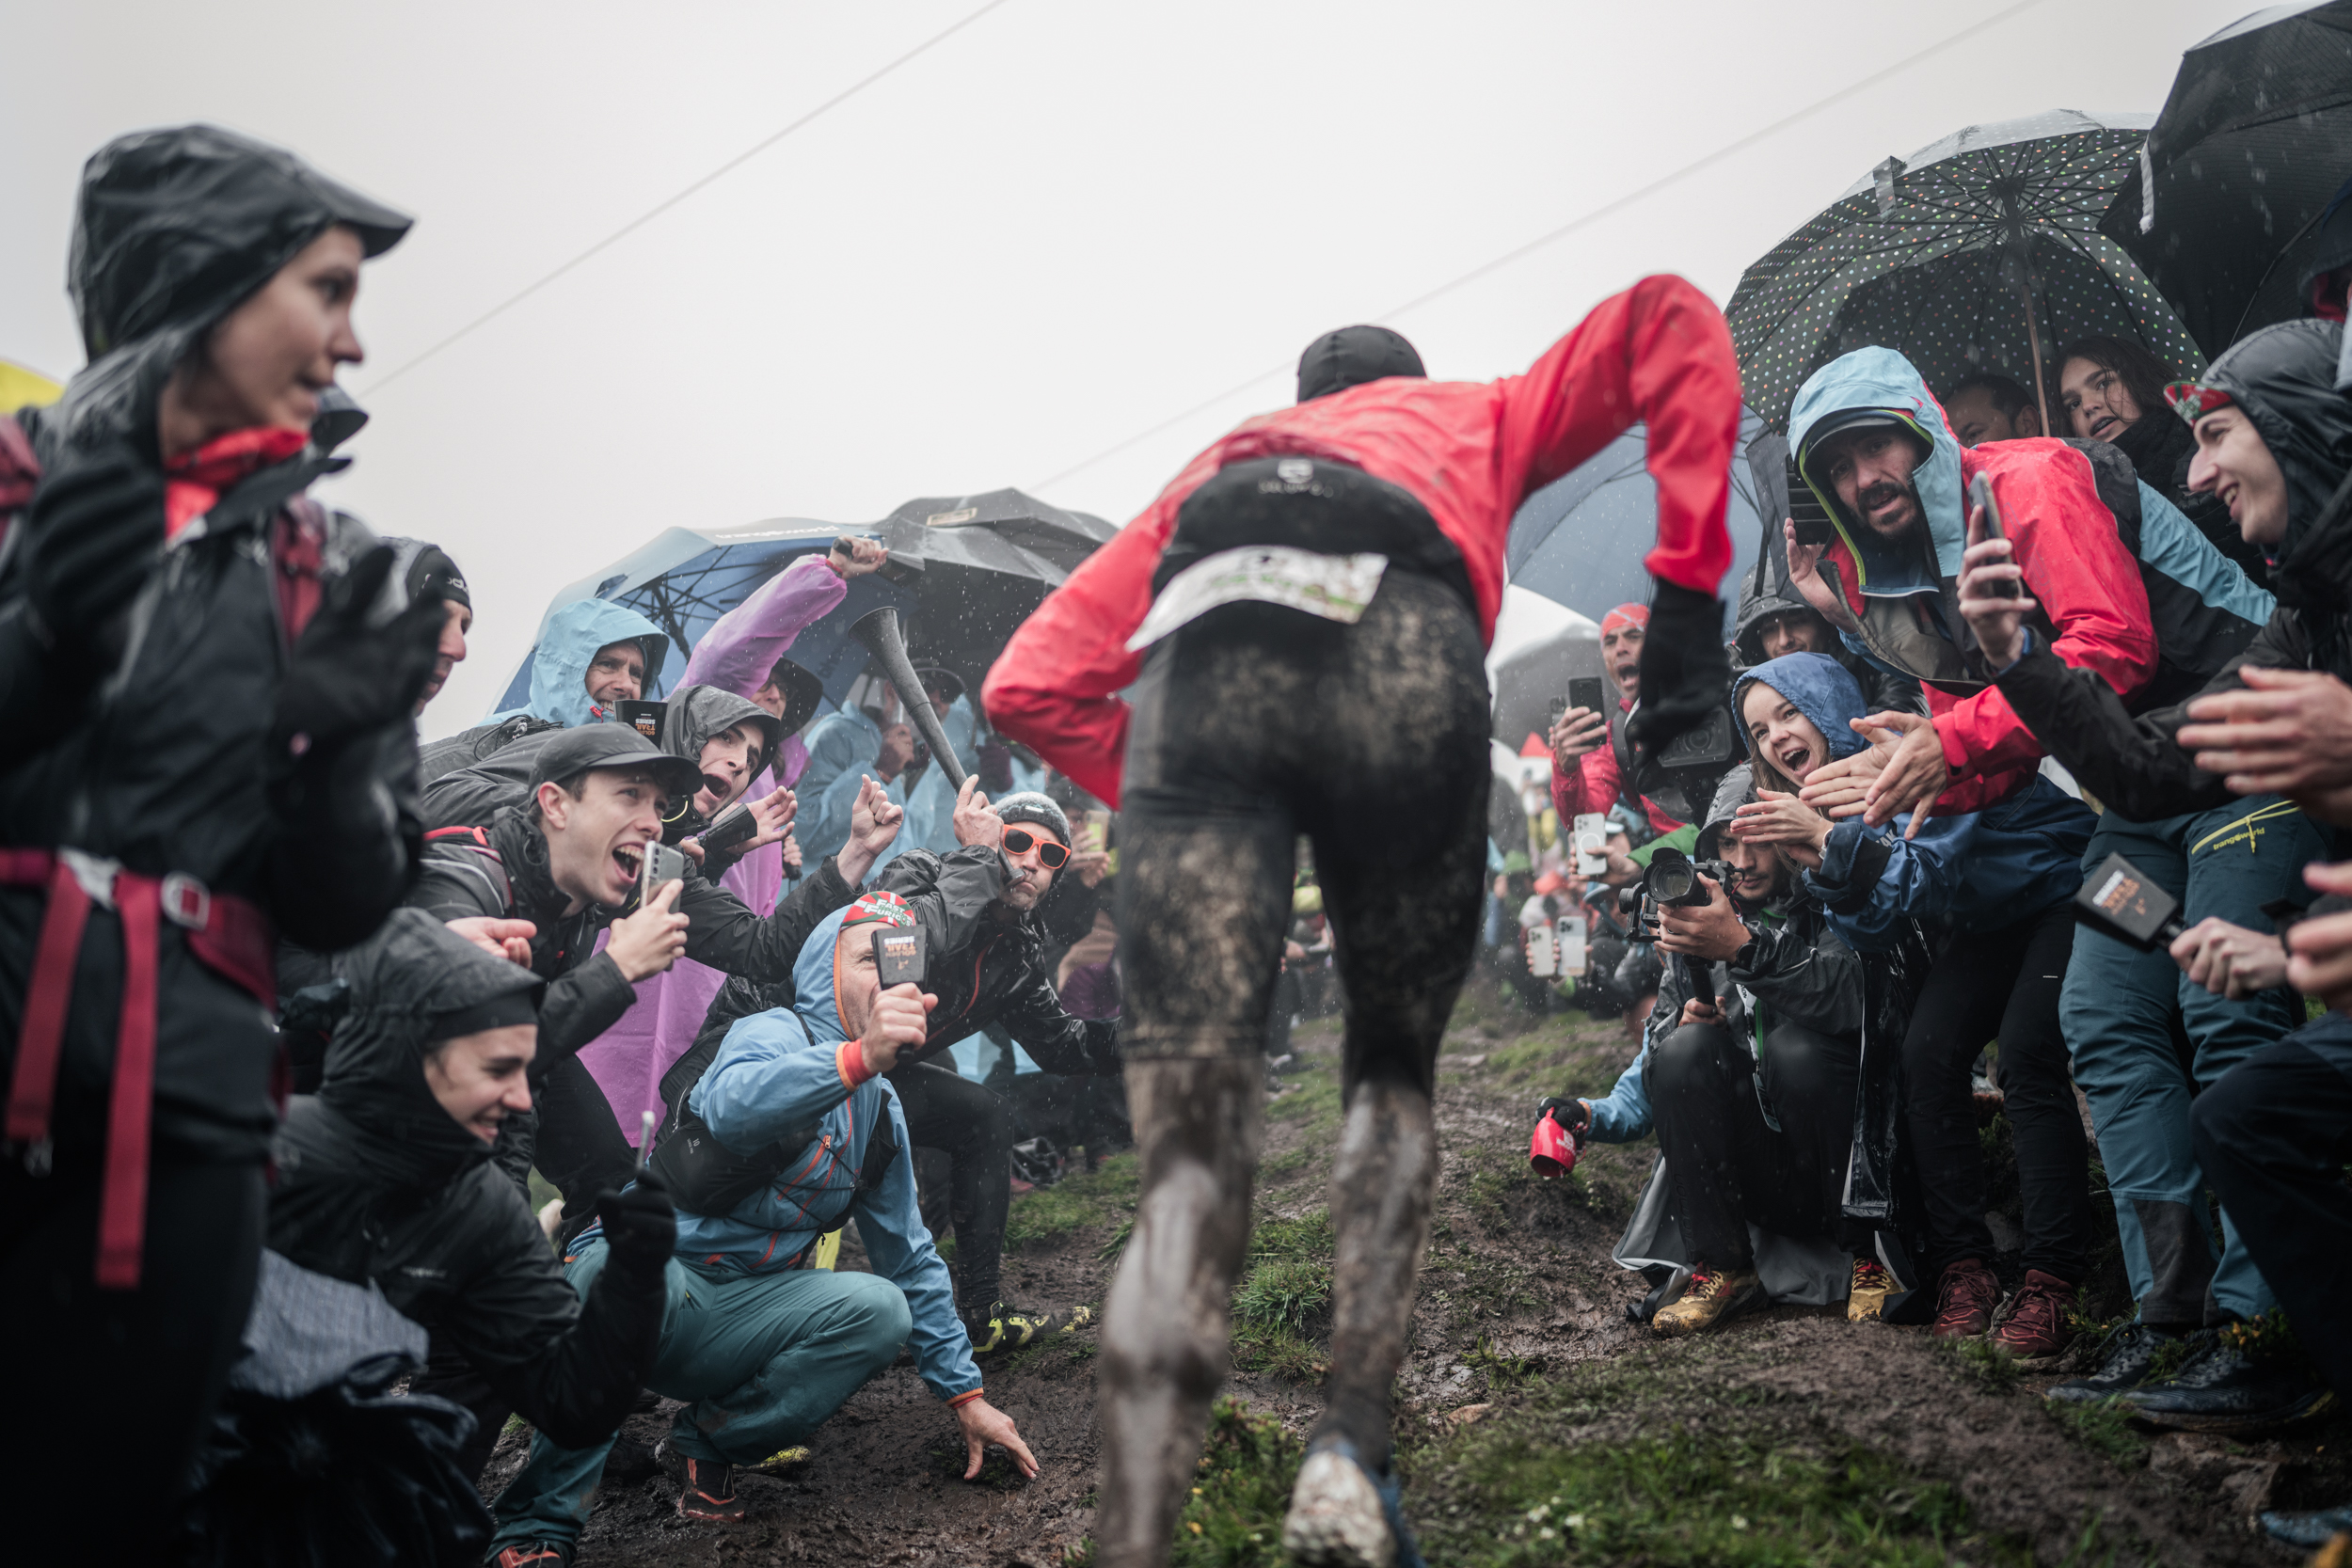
x=1551 y=1151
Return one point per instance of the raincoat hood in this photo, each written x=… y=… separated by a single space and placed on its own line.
x=1881 y=381
x=1757 y=603
x=173 y=229
x=1735 y=790
x=2284 y=377
x=815 y=1001
x=412 y=971
x=1823 y=690
x=695 y=713
x=559 y=670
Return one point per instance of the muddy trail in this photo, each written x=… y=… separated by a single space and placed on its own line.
x=1536 y=1424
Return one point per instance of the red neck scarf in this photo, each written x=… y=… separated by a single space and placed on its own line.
x=193 y=481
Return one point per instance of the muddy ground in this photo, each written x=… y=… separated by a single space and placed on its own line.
x=1535 y=1423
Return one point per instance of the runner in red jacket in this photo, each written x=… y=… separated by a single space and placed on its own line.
x=1471 y=451
x=1315 y=594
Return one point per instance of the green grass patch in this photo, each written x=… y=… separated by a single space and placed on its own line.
x=1313 y=1101
x=2103 y=1427
x=1103 y=1196
x=1233 y=1518
x=1282 y=1305
x=1981 y=1362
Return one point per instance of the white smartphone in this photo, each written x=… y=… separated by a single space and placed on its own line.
x=1591 y=834
x=1571 y=944
x=1543 y=959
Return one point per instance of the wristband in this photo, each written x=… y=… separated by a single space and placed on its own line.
x=965 y=1398
x=849 y=1061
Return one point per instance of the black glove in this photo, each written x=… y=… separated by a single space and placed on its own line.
x=1685 y=672
x=94 y=532
x=640 y=1225
x=347 y=677
x=1571 y=1113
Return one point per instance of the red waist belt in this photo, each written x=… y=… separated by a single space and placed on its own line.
x=230 y=935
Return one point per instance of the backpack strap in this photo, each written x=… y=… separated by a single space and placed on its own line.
x=477 y=841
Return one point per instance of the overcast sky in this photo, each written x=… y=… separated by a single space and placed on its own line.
x=1054 y=231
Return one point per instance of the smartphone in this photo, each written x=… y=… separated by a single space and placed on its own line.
x=644 y=718
x=1590 y=832
x=1810 y=518
x=898 y=955
x=1571 y=939
x=1098 y=826
x=1543 y=958
x=664 y=863
x=1585 y=692
x=1980 y=496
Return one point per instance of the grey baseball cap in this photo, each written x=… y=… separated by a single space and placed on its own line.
x=601 y=745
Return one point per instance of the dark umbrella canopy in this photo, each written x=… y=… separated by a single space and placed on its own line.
x=1580 y=540
x=1935 y=255
x=2254 y=140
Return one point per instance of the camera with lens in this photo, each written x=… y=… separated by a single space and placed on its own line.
x=1672 y=879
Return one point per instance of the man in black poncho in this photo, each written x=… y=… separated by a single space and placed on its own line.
x=386 y=1176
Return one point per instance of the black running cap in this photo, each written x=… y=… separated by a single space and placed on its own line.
x=1351 y=356
x=613 y=746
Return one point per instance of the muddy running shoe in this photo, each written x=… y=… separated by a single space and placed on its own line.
x=779 y=1462
x=706 y=1487
x=1713 y=1297
x=1867 y=1291
x=1004 y=1328
x=533 y=1554
x=1344 y=1514
x=1964 y=1298
x=2036 y=1327
x=2230 y=1390
x=2125 y=1363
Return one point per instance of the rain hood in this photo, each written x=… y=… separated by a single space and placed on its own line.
x=1823 y=690
x=2284 y=376
x=559 y=669
x=173 y=229
x=1880 y=380
x=695 y=713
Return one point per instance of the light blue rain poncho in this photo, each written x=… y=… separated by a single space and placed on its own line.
x=559 y=670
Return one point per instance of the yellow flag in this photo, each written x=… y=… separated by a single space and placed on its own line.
x=24 y=388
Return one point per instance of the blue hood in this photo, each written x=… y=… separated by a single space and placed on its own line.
x=1883 y=380
x=812 y=983
x=559 y=669
x=1823 y=690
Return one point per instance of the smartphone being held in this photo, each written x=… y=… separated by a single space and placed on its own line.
x=1980 y=500
x=664 y=863
x=1585 y=692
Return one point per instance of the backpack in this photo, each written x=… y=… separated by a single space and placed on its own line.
x=467 y=747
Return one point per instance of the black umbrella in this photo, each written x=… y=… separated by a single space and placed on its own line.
x=2223 y=212
x=1978 y=252
x=978 y=566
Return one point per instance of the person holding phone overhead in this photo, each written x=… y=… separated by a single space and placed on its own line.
x=1592 y=761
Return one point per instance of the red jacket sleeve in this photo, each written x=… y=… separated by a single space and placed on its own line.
x=1593 y=788
x=1659 y=354
x=2085 y=582
x=1056 y=687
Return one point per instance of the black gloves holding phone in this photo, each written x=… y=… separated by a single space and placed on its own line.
x=348 y=677
x=640 y=1225
x=1686 y=673
x=93 y=534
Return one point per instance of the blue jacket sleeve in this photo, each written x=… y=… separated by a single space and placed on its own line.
x=891 y=1228
x=1871 y=881
x=768 y=1077
x=1623 y=1115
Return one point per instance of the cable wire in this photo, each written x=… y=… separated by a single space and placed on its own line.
x=1585 y=220
x=650 y=214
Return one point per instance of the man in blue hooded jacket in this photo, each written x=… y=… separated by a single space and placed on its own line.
x=594 y=655
x=763 y=1346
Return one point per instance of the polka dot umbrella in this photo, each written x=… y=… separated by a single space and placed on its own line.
x=1978 y=252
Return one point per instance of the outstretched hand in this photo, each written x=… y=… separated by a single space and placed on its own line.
x=2289 y=732
x=1914 y=775
x=1804 y=576
x=983 y=1424
x=502 y=939
x=976 y=820
x=874 y=821
x=1993 y=596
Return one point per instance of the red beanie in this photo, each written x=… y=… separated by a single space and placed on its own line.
x=1625 y=615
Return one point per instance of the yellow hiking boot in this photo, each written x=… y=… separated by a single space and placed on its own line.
x=1713 y=1295
x=1868 y=1291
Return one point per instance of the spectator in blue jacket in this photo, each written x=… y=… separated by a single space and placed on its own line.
x=765 y=1348
x=1996 y=885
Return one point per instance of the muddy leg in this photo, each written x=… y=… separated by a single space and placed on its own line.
x=1164 y=1331
x=1380 y=1192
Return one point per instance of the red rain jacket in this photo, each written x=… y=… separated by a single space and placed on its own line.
x=1471 y=451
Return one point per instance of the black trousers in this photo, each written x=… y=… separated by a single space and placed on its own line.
x=1255 y=723
x=1730 y=1170
x=115 y=1387
x=450 y=1376
x=974 y=1126
x=2273 y=1135
x=2003 y=983
x=581 y=1149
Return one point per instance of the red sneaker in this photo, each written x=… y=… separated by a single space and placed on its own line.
x=706 y=1487
x=1964 y=1298
x=2036 y=1325
x=534 y=1554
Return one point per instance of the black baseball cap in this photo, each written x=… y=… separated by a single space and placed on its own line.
x=600 y=746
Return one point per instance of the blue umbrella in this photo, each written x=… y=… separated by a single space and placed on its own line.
x=1580 y=540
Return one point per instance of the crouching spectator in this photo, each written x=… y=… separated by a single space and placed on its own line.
x=763 y=1348
x=1752 y=1100
x=428 y=1063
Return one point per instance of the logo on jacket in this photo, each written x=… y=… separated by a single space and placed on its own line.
x=1294 y=470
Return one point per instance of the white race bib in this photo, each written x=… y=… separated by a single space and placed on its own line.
x=1336 y=587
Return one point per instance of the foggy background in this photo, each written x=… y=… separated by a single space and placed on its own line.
x=1054 y=231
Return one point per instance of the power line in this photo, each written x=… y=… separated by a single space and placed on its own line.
x=649 y=215
x=1605 y=210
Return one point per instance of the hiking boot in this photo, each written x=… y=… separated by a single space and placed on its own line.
x=2308 y=1529
x=2036 y=1327
x=2124 y=1362
x=1004 y=1328
x=1867 y=1291
x=706 y=1487
x=779 y=1462
x=2231 y=1391
x=1713 y=1297
x=1964 y=1298
x=1344 y=1514
x=533 y=1554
